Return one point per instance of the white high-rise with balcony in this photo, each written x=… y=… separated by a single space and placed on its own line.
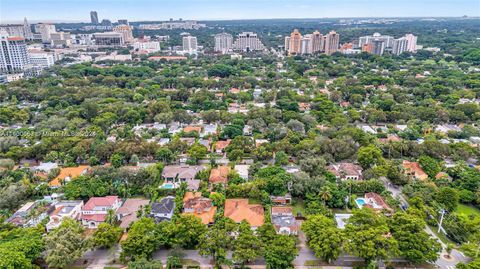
x=13 y=54
x=190 y=44
x=223 y=42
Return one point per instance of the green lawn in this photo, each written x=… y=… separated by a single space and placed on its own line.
x=298 y=206
x=467 y=210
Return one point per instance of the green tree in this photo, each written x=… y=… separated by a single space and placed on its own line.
x=323 y=237
x=144 y=264
x=116 y=160
x=448 y=197
x=188 y=230
x=247 y=247
x=430 y=166
x=216 y=241
x=141 y=241
x=106 y=235
x=369 y=156
x=280 y=252
x=65 y=244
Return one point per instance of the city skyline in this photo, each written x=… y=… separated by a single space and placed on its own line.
x=79 y=11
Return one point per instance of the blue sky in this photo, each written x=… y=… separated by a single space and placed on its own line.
x=78 y=10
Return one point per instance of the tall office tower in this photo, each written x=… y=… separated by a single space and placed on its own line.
x=13 y=53
x=306 y=46
x=400 y=45
x=295 y=42
x=378 y=46
x=388 y=40
x=317 y=42
x=106 y=22
x=332 y=41
x=45 y=30
x=223 y=42
x=287 y=43
x=23 y=30
x=93 y=17
x=190 y=44
x=248 y=41
x=412 y=42
x=126 y=31
x=123 y=21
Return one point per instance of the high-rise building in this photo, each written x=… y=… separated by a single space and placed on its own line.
x=190 y=44
x=388 y=40
x=109 y=39
x=45 y=30
x=248 y=41
x=13 y=54
x=106 y=22
x=306 y=46
x=332 y=41
x=400 y=45
x=93 y=17
x=317 y=42
x=41 y=58
x=223 y=42
x=22 y=30
x=60 y=39
x=378 y=46
x=412 y=42
x=295 y=46
x=126 y=31
x=287 y=43
x=146 y=46
x=123 y=21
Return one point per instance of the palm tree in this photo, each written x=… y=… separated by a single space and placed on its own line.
x=325 y=194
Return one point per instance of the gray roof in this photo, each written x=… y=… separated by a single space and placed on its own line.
x=165 y=206
x=284 y=221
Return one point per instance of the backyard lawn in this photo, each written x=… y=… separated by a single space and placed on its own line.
x=468 y=210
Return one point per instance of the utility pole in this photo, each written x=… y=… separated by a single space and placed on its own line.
x=441 y=220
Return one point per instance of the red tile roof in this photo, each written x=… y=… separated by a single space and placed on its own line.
x=100 y=201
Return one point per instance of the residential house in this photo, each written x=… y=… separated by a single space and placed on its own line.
x=30 y=214
x=342 y=219
x=413 y=169
x=284 y=221
x=96 y=209
x=45 y=167
x=64 y=209
x=191 y=128
x=67 y=174
x=220 y=146
x=281 y=200
x=219 y=175
x=163 y=210
x=242 y=170
x=176 y=174
x=374 y=201
x=127 y=213
x=188 y=140
x=346 y=171
x=201 y=207
x=209 y=129
x=239 y=210
x=247 y=130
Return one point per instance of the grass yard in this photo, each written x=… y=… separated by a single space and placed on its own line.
x=298 y=206
x=467 y=210
x=190 y=262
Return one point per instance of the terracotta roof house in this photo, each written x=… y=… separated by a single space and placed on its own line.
x=281 y=200
x=163 y=210
x=414 y=170
x=346 y=171
x=239 y=210
x=283 y=220
x=67 y=174
x=64 y=209
x=220 y=146
x=219 y=175
x=127 y=213
x=374 y=201
x=194 y=203
x=190 y=128
x=96 y=209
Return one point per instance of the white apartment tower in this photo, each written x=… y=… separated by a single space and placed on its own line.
x=400 y=45
x=13 y=54
x=248 y=41
x=190 y=44
x=412 y=42
x=223 y=42
x=45 y=30
x=317 y=42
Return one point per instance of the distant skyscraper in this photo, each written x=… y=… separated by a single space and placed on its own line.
x=106 y=22
x=332 y=41
x=287 y=43
x=295 y=42
x=388 y=40
x=306 y=47
x=223 y=42
x=190 y=44
x=378 y=46
x=248 y=41
x=317 y=42
x=93 y=17
x=126 y=31
x=123 y=22
x=13 y=53
x=400 y=45
x=45 y=30
x=412 y=42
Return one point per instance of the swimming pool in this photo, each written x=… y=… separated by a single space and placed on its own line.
x=167 y=186
x=360 y=202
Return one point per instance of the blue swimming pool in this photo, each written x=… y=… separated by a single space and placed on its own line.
x=168 y=186
x=360 y=202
